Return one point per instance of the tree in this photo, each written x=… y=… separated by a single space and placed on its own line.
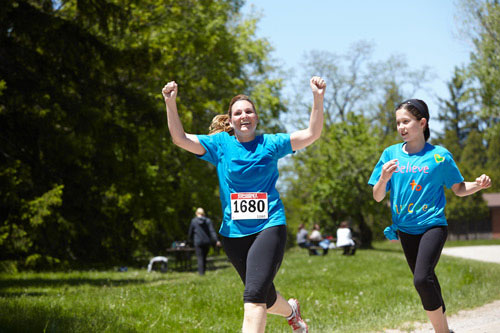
x=457 y=113
x=395 y=82
x=481 y=22
x=327 y=182
x=464 y=213
x=330 y=183
x=83 y=127
x=493 y=160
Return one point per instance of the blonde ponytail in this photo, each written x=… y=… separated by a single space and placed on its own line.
x=220 y=123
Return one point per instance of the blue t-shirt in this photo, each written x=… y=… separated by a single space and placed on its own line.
x=247 y=167
x=417 y=192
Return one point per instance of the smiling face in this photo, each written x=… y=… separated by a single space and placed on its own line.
x=409 y=128
x=243 y=120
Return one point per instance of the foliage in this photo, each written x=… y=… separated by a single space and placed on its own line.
x=484 y=19
x=483 y=16
x=458 y=113
x=329 y=182
x=471 y=115
x=87 y=171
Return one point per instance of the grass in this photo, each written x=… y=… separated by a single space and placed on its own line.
x=368 y=292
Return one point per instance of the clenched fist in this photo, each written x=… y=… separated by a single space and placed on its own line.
x=169 y=91
x=318 y=85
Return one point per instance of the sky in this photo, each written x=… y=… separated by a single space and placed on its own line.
x=425 y=32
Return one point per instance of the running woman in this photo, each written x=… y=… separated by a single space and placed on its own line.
x=416 y=172
x=253 y=228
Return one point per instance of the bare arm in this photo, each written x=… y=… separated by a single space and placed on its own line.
x=180 y=138
x=379 y=188
x=467 y=188
x=303 y=138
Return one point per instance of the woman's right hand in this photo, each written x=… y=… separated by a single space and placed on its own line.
x=388 y=169
x=169 y=92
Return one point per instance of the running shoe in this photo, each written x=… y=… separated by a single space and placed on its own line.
x=296 y=321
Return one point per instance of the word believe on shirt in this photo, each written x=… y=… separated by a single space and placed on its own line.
x=408 y=168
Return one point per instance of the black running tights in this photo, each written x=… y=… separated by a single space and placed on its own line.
x=257 y=259
x=422 y=254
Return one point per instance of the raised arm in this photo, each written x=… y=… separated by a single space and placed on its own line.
x=466 y=188
x=180 y=138
x=303 y=138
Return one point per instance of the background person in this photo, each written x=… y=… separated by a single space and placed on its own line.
x=253 y=228
x=344 y=239
x=202 y=234
x=302 y=237
x=415 y=172
x=317 y=240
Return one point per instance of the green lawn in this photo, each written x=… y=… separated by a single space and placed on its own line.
x=368 y=292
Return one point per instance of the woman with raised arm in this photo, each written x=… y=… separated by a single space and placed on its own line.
x=415 y=172
x=253 y=228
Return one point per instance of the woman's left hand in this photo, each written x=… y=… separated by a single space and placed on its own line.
x=318 y=85
x=483 y=181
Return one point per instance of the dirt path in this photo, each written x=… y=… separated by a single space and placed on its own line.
x=484 y=319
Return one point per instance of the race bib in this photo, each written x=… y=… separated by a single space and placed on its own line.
x=249 y=206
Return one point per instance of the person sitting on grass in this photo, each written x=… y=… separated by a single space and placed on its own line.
x=317 y=240
x=344 y=239
x=302 y=237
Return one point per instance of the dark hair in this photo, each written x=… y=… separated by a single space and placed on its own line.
x=419 y=109
x=220 y=123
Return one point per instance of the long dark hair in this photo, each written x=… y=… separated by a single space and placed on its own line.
x=419 y=110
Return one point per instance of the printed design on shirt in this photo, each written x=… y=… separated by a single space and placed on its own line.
x=438 y=158
x=415 y=186
x=411 y=208
x=409 y=168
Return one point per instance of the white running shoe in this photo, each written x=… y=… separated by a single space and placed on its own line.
x=297 y=323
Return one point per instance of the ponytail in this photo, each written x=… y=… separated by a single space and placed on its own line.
x=220 y=123
x=427 y=132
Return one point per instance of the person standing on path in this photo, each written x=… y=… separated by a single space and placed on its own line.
x=202 y=234
x=415 y=172
x=253 y=228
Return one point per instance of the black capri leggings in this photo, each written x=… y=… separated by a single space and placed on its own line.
x=422 y=254
x=257 y=259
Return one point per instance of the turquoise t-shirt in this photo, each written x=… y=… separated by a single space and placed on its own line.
x=247 y=167
x=417 y=186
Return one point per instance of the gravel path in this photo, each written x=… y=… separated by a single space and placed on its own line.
x=485 y=319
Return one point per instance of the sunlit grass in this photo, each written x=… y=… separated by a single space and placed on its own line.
x=367 y=292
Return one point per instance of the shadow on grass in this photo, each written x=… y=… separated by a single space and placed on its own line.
x=36 y=318
x=38 y=282
x=20 y=294
x=43 y=282
x=213 y=263
x=388 y=250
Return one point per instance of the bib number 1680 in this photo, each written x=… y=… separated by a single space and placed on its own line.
x=246 y=206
